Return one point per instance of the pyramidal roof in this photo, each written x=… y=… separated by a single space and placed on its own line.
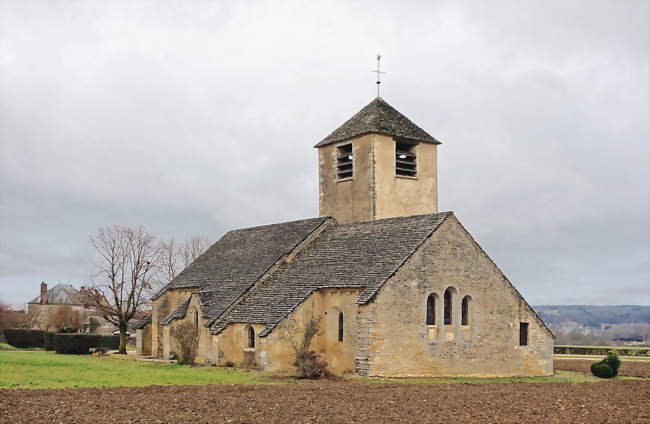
x=378 y=117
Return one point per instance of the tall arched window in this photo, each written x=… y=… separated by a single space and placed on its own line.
x=464 y=306
x=340 y=326
x=431 y=310
x=448 y=311
x=196 y=319
x=251 y=336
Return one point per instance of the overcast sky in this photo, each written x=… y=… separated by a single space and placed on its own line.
x=193 y=118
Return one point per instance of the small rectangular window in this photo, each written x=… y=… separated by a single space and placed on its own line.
x=523 y=334
x=344 y=166
x=405 y=159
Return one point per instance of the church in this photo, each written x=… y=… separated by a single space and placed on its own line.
x=401 y=289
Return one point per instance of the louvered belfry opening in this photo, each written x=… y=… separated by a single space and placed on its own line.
x=405 y=159
x=344 y=166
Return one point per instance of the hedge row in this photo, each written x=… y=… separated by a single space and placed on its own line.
x=82 y=343
x=19 y=337
x=601 y=350
x=60 y=342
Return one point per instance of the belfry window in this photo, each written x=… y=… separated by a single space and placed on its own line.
x=431 y=310
x=405 y=159
x=344 y=165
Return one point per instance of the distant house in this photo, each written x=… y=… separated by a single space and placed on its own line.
x=48 y=301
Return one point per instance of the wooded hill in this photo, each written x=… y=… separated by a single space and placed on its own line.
x=593 y=316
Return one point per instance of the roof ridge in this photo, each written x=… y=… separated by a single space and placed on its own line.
x=257 y=227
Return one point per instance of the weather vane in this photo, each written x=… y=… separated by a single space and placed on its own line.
x=379 y=72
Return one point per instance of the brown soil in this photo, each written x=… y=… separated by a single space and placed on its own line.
x=628 y=368
x=336 y=402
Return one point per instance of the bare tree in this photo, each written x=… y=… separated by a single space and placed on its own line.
x=64 y=319
x=175 y=257
x=32 y=321
x=192 y=249
x=127 y=265
x=168 y=264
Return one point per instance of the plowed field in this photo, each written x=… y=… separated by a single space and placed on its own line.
x=336 y=402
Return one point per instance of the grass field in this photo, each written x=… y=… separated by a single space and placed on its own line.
x=48 y=370
x=5 y=346
x=26 y=370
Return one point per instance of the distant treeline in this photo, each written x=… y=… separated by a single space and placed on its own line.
x=593 y=316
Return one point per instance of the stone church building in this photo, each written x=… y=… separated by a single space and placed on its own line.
x=401 y=289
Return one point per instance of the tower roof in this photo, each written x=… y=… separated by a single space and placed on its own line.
x=378 y=117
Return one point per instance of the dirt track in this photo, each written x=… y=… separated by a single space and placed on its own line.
x=336 y=402
x=628 y=368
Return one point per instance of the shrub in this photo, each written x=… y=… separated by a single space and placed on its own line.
x=187 y=337
x=602 y=370
x=229 y=364
x=19 y=337
x=48 y=340
x=613 y=361
x=311 y=365
x=81 y=343
x=608 y=367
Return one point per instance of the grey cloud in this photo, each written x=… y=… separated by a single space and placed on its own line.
x=194 y=118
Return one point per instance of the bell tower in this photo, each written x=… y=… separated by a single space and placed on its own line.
x=378 y=164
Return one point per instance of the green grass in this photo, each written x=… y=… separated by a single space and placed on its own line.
x=5 y=346
x=558 y=377
x=31 y=370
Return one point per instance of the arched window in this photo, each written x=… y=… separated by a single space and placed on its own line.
x=250 y=332
x=340 y=326
x=431 y=310
x=464 y=306
x=196 y=319
x=448 y=311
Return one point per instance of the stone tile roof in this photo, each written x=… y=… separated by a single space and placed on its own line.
x=380 y=118
x=356 y=255
x=142 y=323
x=178 y=313
x=231 y=265
x=61 y=294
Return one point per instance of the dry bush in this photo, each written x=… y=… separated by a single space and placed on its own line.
x=187 y=337
x=64 y=319
x=31 y=321
x=308 y=363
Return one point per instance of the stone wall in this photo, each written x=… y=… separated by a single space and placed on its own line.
x=397 y=195
x=375 y=190
x=161 y=307
x=274 y=352
x=207 y=352
x=143 y=341
x=394 y=339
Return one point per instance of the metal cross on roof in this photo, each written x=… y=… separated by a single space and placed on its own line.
x=379 y=72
